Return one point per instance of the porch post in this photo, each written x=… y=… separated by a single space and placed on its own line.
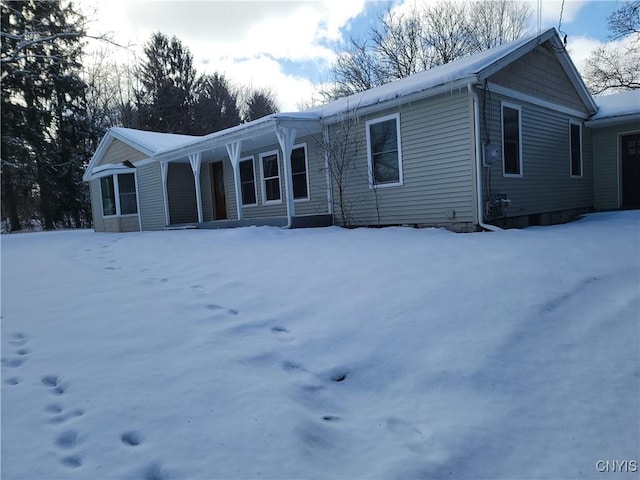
x=164 y=170
x=233 y=149
x=195 y=160
x=286 y=138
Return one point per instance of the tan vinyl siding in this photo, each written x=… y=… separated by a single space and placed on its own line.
x=540 y=74
x=119 y=151
x=151 y=196
x=436 y=161
x=181 y=192
x=546 y=184
x=128 y=223
x=96 y=205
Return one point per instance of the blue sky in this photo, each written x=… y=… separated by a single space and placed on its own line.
x=288 y=45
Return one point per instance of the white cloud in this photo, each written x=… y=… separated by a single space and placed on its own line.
x=243 y=39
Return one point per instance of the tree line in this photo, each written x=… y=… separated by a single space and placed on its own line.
x=55 y=109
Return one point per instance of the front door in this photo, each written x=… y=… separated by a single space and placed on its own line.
x=219 y=200
x=630 y=157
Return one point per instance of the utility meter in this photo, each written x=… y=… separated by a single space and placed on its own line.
x=491 y=154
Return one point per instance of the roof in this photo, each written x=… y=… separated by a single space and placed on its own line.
x=146 y=142
x=617 y=108
x=149 y=142
x=475 y=68
x=457 y=74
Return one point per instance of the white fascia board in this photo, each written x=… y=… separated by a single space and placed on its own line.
x=132 y=143
x=515 y=54
x=104 y=144
x=562 y=56
x=458 y=84
x=97 y=155
x=239 y=133
x=615 y=120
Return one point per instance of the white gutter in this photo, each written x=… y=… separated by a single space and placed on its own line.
x=478 y=150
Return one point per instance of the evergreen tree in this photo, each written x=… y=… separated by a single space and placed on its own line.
x=42 y=114
x=258 y=104
x=216 y=105
x=168 y=80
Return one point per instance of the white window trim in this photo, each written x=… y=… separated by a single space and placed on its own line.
x=255 y=180
x=116 y=193
x=513 y=106
x=306 y=170
x=263 y=180
x=579 y=124
x=400 y=182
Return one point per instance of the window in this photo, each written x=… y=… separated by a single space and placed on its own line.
x=108 y=196
x=127 y=191
x=383 y=145
x=248 y=182
x=299 y=172
x=511 y=141
x=270 y=177
x=119 y=194
x=575 y=142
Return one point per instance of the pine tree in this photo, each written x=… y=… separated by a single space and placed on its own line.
x=42 y=113
x=168 y=78
x=258 y=104
x=216 y=105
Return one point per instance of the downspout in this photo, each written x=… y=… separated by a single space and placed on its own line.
x=478 y=150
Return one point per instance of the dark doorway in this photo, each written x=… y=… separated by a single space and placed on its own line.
x=219 y=200
x=630 y=156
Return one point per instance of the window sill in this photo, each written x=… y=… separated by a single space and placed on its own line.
x=386 y=185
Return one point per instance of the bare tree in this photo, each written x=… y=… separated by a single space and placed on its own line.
x=499 y=21
x=617 y=66
x=340 y=148
x=409 y=41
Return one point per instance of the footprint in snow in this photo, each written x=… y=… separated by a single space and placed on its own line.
x=12 y=362
x=197 y=288
x=13 y=381
x=60 y=416
x=132 y=438
x=282 y=334
x=18 y=339
x=54 y=384
x=72 y=461
x=214 y=308
x=68 y=439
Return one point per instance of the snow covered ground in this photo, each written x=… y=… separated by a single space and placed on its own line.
x=322 y=353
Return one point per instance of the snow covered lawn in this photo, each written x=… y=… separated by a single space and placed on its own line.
x=322 y=353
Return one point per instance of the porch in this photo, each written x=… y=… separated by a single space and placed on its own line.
x=254 y=175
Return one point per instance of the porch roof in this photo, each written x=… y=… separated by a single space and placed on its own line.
x=253 y=134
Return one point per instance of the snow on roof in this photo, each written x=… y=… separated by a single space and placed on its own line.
x=617 y=104
x=461 y=69
x=151 y=141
